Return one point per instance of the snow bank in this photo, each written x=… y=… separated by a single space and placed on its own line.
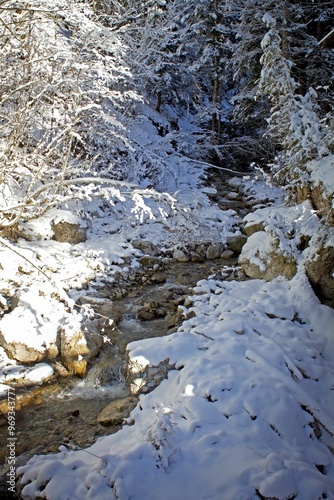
x=240 y=414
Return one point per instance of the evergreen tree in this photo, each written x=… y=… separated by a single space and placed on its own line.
x=300 y=26
x=293 y=120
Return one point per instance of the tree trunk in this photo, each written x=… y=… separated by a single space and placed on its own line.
x=158 y=105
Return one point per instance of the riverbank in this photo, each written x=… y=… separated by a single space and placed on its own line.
x=246 y=371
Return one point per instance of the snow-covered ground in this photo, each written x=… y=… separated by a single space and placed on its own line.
x=246 y=413
x=240 y=414
x=248 y=410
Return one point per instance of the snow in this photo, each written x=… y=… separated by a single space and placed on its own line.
x=247 y=408
x=253 y=372
x=253 y=377
x=283 y=230
x=252 y=383
x=42 y=278
x=322 y=173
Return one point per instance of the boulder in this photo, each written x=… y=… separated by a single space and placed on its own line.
x=180 y=256
x=27 y=354
x=198 y=254
x=77 y=348
x=235 y=243
x=116 y=411
x=68 y=232
x=253 y=227
x=227 y=255
x=319 y=190
x=235 y=182
x=320 y=273
x=146 y=313
x=261 y=259
x=145 y=246
x=275 y=265
x=255 y=221
x=158 y=277
x=232 y=195
x=214 y=251
x=149 y=261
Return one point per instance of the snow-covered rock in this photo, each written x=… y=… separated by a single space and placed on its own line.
x=29 y=332
x=78 y=347
x=68 y=227
x=261 y=259
x=320 y=188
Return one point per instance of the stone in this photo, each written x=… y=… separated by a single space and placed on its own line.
x=145 y=246
x=149 y=261
x=235 y=243
x=116 y=411
x=214 y=251
x=67 y=232
x=235 y=182
x=180 y=256
x=188 y=302
x=60 y=369
x=227 y=254
x=77 y=349
x=159 y=278
x=320 y=200
x=146 y=313
x=103 y=306
x=22 y=352
x=261 y=258
x=180 y=300
x=254 y=227
x=196 y=257
x=161 y=312
x=232 y=196
x=198 y=254
x=210 y=192
x=320 y=275
x=276 y=265
x=28 y=397
x=172 y=320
